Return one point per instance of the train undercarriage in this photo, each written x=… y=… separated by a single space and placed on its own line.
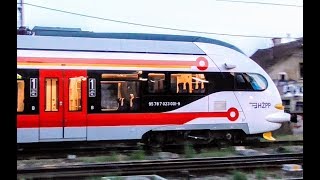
x=197 y=137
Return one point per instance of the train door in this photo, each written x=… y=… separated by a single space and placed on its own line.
x=62 y=104
x=75 y=100
x=51 y=104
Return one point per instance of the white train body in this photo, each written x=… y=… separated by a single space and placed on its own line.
x=155 y=69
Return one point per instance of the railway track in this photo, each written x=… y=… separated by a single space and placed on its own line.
x=160 y=167
x=60 y=151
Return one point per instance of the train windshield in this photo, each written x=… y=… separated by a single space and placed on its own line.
x=257 y=81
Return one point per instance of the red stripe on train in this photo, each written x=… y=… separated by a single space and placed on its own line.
x=27 y=121
x=148 y=118
x=104 y=61
x=129 y=119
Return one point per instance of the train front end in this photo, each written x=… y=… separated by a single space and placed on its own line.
x=262 y=104
x=258 y=97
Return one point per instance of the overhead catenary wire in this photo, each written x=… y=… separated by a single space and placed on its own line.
x=262 y=3
x=152 y=26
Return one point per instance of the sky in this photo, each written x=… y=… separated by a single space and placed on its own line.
x=214 y=16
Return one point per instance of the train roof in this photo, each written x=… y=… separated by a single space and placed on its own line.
x=76 y=40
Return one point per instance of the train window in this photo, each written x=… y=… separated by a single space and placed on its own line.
x=51 y=99
x=250 y=82
x=134 y=76
x=75 y=94
x=156 y=82
x=257 y=81
x=110 y=93
x=120 y=95
x=20 y=95
x=241 y=82
x=225 y=82
x=188 y=83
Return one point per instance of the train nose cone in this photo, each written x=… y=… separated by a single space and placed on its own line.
x=278 y=117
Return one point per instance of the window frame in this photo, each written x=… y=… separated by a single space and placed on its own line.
x=132 y=77
x=81 y=98
x=57 y=96
x=205 y=84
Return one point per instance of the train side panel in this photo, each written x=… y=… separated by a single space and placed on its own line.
x=27 y=128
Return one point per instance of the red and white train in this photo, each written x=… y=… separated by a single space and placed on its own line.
x=85 y=86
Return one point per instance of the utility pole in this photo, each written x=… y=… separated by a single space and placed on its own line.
x=22 y=30
x=20 y=8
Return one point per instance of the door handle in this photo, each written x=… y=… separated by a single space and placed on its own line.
x=60 y=103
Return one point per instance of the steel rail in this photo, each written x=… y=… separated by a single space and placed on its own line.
x=162 y=166
x=41 y=152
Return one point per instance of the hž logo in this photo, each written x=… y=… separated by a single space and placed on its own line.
x=261 y=105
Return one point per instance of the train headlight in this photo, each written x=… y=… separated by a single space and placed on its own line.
x=279 y=106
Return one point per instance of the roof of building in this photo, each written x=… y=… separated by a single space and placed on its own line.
x=266 y=58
